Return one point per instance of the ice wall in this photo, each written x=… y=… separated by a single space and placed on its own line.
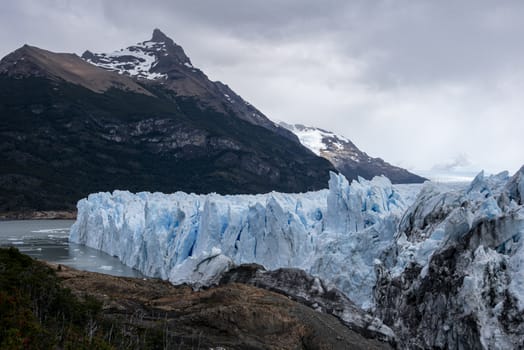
x=456 y=265
x=449 y=254
x=334 y=234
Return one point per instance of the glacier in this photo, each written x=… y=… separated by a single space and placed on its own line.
x=441 y=264
x=453 y=276
x=348 y=235
x=335 y=234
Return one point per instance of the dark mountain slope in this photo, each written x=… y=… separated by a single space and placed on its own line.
x=60 y=141
x=160 y=61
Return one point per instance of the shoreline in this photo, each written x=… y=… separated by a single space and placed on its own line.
x=39 y=215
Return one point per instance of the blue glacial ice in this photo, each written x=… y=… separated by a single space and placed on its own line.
x=478 y=230
x=344 y=234
x=335 y=234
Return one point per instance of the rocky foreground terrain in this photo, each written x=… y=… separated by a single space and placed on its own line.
x=45 y=306
x=230 y=316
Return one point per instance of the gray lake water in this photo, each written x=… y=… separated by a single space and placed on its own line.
x=48 y=240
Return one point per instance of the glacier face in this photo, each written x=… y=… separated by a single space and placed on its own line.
x=441 y=264
x=347 y=235
x=453 y=277
x=335 y=234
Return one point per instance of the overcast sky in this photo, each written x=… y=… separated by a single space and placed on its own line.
x=428 y=85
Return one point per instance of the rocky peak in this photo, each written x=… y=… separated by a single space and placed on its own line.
x=18 y=62
x=152 y=59
x=24 y=57
x=174 y=51
x=159 y=36
x=161 y=60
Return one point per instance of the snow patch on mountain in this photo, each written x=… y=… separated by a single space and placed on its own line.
x=346 y=157
x=314 y=138
x=136 y=61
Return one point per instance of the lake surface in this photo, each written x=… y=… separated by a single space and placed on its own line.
x=48 y=240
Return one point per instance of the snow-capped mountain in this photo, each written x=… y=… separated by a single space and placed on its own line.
x=145 y=60
x=160 y=61
x=346 y=157
x=141 y=118
x=441 y=264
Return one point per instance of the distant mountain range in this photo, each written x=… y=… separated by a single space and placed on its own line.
x=141 y=118
x=346 y=157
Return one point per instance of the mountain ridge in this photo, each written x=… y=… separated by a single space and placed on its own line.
x=347 y=158
x=179 y=75
x=141 y=118
x=161 y=61
x=63 y=137
x=30 y=61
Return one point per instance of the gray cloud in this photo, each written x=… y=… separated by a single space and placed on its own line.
x=414 y=82
x=460 y=161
